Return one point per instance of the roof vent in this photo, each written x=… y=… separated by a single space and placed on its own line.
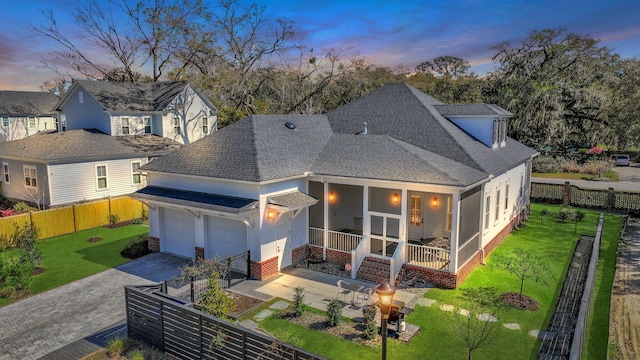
x=364 y=129
x=290 y=125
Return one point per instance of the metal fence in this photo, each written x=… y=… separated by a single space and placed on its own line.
x=572 y=195
x=177 y=329
x=555 y=221
x=230 y=271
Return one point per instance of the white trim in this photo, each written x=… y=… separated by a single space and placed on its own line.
x=98 y=177
x=31 y=176
x=6 y=174
x=139 y=162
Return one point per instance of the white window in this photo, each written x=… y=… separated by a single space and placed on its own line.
x=176 y=125
x=125 y=126
x=487 y=210
x=147 y=125
x=497 y=205
x=63 y=123
x=506 y=197
x=80 y=97
x=5 y=121
x=30 y=176
x=503 y=130
x=136 y=177
x=101 y=176
x=416 y=210
x=5 y=170
x=496 y=131
x=32 y=122
x=205 y=125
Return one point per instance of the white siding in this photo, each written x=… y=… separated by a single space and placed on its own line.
x=86 y=115
x=16 y=188
x=189 y=108
x=230 y=188
x=19 y=128
x=77 y=182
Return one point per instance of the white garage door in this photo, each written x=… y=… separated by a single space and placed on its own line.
x=225 y=237
x=178 y=232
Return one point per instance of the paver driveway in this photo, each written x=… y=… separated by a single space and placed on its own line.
x=36 y=326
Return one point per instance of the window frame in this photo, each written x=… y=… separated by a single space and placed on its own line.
x=99 y=177
x=506 y=197
x=487 y=211
x=145 y=125
x=497 y=214
x=6 y=178
x=5 y=121
x=135 y=171
x=32 y=122
x=123 y=127
x=205 y=125
x=176 y=126
x=31 y=178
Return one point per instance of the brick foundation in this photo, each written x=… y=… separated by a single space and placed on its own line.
x=153 y=244
x=199 y=252
x=437 y=277
x=264 y=269
x=299 y=254
x=338 y=257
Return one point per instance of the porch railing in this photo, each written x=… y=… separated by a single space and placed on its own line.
x=396 y=261
x=358 y=254
x=336 y=240
x=427 y=256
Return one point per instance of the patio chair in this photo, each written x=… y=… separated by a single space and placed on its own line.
x=342 y=291
x=365 y=295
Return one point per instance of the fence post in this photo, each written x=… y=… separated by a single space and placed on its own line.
x=193 y=290
x=566 y=194
x=248 y=264
x=611 y=199
x=228 y=272
x=164 y=287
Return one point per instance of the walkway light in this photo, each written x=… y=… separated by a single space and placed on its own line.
x=385 y=292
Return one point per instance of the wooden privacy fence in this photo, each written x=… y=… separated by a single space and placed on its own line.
x=69 y=219
x=572 y=195
x=186 y=333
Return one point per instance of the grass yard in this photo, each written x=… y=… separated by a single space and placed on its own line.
x=71 y=257
x=610 y=174
x=437 y=338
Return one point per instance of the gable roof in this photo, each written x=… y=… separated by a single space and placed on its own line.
x=472 y=110
x=132 y=97
x=84 y=144
x=27 y=103
x=407 y=140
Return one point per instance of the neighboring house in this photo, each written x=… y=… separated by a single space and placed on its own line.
x=58 y=168
x=393 y=180
x=172 y=109
x=24 y=113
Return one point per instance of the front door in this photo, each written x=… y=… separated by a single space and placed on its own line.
x=416 y=216
x=385 y=234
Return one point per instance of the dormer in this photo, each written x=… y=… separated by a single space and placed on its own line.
x=485 y=122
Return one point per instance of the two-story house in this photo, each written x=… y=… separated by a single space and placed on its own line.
x=24 y=113
x=393 y=180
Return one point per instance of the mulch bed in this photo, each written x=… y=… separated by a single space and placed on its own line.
x=346 y=330
x=514 y=300
x=38 y=271
x=95 y=239
x=243 y=303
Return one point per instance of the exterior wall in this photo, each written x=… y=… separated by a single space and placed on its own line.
x=205 y=185
x=78 y=181
x=19 y=128
x=263 y=270
x=16 y=188
x=189 y=109
x=88 y=115
x=507 y=213
x=136 y=123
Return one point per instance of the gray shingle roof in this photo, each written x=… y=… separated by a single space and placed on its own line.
x=27 y=103
x=122 y=96
x=222 y=203
x=292 y=200
x=80 y=144
x=257 y=148
x=407 y=140
x=471 y=110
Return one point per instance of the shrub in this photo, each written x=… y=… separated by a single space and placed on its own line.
x=546 y=164
x=8 y=212
x=298 y=302
x=214 y=300
x=571 y=166
x=116 y=346
x=113 y=219
x=370 y=326
x=7 y=292
x=136 y=248
x=21 y=207
x=334 y=312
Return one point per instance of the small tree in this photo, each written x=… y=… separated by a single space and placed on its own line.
x=523 y=264
x=334 y=312
x=476 y=324
x=370 y=326
x=214 y=300
x=298 y=302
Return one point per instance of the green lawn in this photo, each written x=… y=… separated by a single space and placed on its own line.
x=71 y=257
x=610 y=174
x=437 y=338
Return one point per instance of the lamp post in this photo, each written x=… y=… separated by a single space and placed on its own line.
x=385 y=292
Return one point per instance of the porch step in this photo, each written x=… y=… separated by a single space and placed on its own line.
x=374 y=270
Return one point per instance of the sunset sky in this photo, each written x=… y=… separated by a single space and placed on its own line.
x=387 y=33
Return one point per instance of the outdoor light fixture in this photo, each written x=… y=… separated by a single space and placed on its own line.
x=385 y=292
x=435 y=202
x=271 y=214
x=332 y=196
x=395 y=198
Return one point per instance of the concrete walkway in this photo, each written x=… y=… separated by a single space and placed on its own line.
x=41 y=324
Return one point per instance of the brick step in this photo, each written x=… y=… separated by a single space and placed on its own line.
x=374 y=270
